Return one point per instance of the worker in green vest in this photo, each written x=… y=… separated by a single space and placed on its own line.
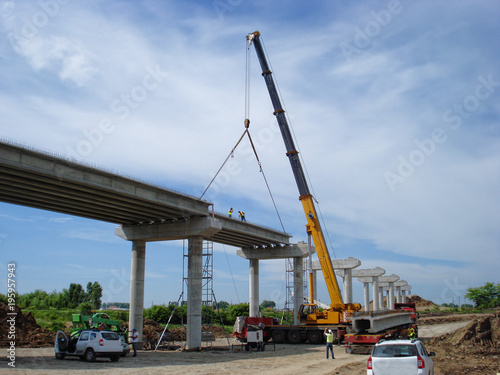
x=329 y=341
x=411 y=333
x=230 y=212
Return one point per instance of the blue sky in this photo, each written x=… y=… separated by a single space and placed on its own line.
x=394 y=106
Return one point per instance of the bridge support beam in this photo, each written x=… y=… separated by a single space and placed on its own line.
x=137 y=269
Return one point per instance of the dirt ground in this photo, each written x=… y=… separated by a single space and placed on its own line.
x=463 y=345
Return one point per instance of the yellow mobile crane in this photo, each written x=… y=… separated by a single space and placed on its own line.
x=358 y=329
x=308 y=313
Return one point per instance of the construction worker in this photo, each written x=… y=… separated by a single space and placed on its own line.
x=135 y=341
x=411 y=333
x=230 y=212
x=242 y=215
x=329 y=342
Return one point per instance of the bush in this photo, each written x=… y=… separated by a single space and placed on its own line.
x=85 y=308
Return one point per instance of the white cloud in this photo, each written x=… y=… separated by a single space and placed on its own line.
x=354 y=120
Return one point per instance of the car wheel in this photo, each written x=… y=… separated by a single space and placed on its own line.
x=60 y=355
x=114 y=358
x=90 y=355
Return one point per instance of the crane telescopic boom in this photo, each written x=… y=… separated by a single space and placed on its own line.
x=313 y=225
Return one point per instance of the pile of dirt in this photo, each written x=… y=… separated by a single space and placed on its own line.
x=420 y=302
x=28 y=334
x=484 y=332
x=473 y=349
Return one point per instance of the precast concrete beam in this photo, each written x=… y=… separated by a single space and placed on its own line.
x=277 y=252
x=204 y=227
x=374 y=323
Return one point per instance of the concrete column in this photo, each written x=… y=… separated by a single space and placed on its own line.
x=376 y=300
x=366 y=294
x=195 y=290
x=254 y=288
x=137 y=269
x=298 y=287
x=391 y=296
x=398 y=294
x=381 y=298
x=315 y=281
x=348 y=286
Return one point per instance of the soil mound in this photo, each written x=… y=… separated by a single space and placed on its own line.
x=420 y=302
x=28 y=334
x=484 y=332
x=473 y=349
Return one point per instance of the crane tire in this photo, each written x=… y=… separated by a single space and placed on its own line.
x=278 y=336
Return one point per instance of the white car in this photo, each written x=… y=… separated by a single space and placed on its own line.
x=89 y=344
x=400 y=357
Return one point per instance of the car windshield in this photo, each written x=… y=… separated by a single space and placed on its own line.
x=396 y=350
x=110 y=336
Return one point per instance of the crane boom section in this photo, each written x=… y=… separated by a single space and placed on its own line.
x=313 y=223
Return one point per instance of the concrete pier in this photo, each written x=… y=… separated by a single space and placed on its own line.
x=343 y=268
x=399 y=284
x=195 y=285
x=254 y=255
x=253 y=292
x=298 y=290
x=137 y=270
x=390 y=280
x=367 y=276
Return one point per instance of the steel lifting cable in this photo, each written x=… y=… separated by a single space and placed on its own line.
x=247 y=132
x=225 y=161
x=265 y=179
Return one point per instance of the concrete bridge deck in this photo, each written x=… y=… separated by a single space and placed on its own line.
x=40 y=180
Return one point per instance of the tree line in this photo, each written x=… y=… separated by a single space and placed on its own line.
x=486 y=296
x=70 y=298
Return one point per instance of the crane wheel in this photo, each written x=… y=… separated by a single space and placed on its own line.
x=315 y=337
x=294 y=337
x=278 y=336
